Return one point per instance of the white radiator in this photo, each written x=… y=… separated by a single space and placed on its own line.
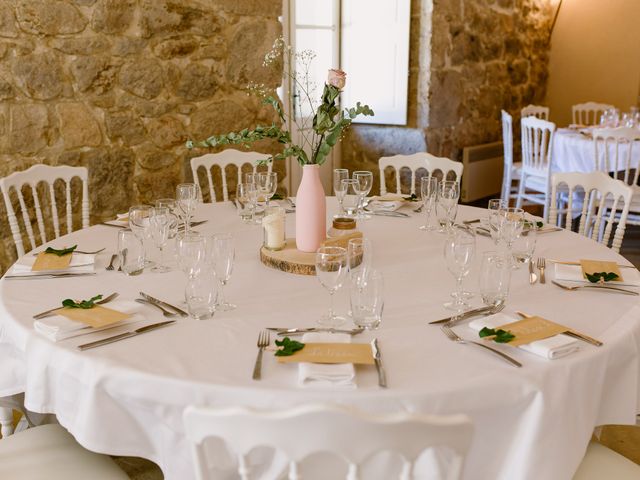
x=482 y=174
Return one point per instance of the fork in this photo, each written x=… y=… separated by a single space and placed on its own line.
x=541 y=264
x=419 y=209
x=453 y=336
x=51 y=311
x=597 y=286
x=113 y=259
x=263 y=341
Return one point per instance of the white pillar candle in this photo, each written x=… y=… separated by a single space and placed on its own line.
x=273 y=227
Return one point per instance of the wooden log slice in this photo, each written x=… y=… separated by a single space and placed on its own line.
x=289 y=259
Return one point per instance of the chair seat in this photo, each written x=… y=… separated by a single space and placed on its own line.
x=49 y=452
x=601 y=462
x=516 y=170
x=539 y=184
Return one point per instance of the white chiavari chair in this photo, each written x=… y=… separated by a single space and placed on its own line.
x=350 y=435
x=617 y=151
x=537 y=111
x=599 y=206
x=49 y=452
x=222 y=160
x=537 y=149
x=32 y=177
x=511 y=170
x=588 y=113
x=415 y=162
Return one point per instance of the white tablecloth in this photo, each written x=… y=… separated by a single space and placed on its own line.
x=574 y=152
x=127 y=398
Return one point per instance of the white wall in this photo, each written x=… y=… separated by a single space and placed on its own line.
x=595 y=56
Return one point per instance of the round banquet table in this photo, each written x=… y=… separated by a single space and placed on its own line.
x=127 y=398
x=574 y=152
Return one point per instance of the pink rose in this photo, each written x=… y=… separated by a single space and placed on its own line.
x=337 y=78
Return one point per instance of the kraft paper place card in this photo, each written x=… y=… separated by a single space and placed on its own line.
x=96 y=317
x=332 y=353
x=51 y=261
x=532 y=329
x=597 y=266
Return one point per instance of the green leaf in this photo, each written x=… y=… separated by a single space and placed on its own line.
x=501 y=336
x=601 y=277
x=289 y=347
x=277 y=196
x=61 y=252
x=84 y=304
x=412 y=198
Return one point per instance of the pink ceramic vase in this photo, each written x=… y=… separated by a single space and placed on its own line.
x=311 y=210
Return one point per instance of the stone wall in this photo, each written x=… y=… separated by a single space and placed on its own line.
x=473 y=58
x=119 y=85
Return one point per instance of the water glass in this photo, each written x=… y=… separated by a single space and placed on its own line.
x=186 y=200
x=447 y=205
x=363 y=187
x=130 y=252
x=191 y=253
x=495 y=275
x=428 y=192
x=331 y=270
x=224 y=255
x=524 y=246
x=139 y=220
x=359 y=253
x=493 y=221
x=367 y=301
x=161 y=223
x=339 y=174
x=201 y=294
x=459 y=250
x=511 y=223
x=350 y=197
x=246 y=201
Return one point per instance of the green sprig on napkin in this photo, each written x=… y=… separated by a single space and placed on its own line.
x=276 y=196
x=501 y=336
x=536 y=225
x=601 y=277
x=84 y=304
x=289 y=347
x=61 y=252
x=412 y=198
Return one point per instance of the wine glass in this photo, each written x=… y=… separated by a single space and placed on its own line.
x=139 y=225
x=459 y=249
x=447 y=205
x=223 y=257
x=367 y=301
x=161 y=222
x=267 y=184
x=428 y=190
x=359 y=254
x=246 y=199
x=493 y=221
x=511 y=224
x=339 y=174
x=363 y=187
x=331 y=269
x=350 y=197
x=495 y=275
x=186 y=200
x=191 y=253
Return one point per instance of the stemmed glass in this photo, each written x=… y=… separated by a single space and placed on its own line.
x=246 y=198
x=511 y=224
x=139 y=225
x=447 y=204
x=459 y=249
x=493 y=220
x=191 y=253
x=495 y=275
x=186 y=200
x=223 y=257
x=429 y=191
x=267 y=184
x=161 y=223
x=525 y=245
x=350 y=197
x=331 y=269
x=363 y=187
x=339 y=174
x=359 y=252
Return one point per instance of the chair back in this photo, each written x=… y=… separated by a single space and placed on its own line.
x=588 y=113
x=222 y=160
x=602 y=195
x=537 y=111
x=415 y=162
x=537 y=144
x=507 y=145
x=32 y=177
x=349 y=434
x=614 y=152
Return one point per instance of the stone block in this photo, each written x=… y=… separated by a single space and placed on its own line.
x=78 y=126
x=259 y=8
x=81 y=46
x=112 y=16
x=197 y=82
x=6 y=90
x=125 y=127
x=127 y=46
x=143 y=78
x=151 y=158
x=179 y=46
x=111 y=173
x=167 y=131
x=177 y=16
x=150 y=186
x=447 y=88
x=49 y=17
x=28 y=128
x=145 y=108
x=7 y=20
x=95 y=74
x=220 y=117
x=39 y=75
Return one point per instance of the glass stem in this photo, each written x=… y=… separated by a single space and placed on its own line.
x=221 y=299
x=330 y=304
x=162 y=256
x=459 y=288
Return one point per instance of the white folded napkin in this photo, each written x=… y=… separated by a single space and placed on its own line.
x=80 y=263
x=340 y=375
x=573 y=273
x=58 y=327
x=551 y=348
x=385 y=205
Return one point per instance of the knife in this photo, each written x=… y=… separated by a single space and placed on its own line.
x=382 y=377
x=294 y=331
x=47 y=275
x=533 y=278
x=470 y=313
x=124 y=335
x=578 y=263
x=572 y=333
x=151 y=299
x=387 y=214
